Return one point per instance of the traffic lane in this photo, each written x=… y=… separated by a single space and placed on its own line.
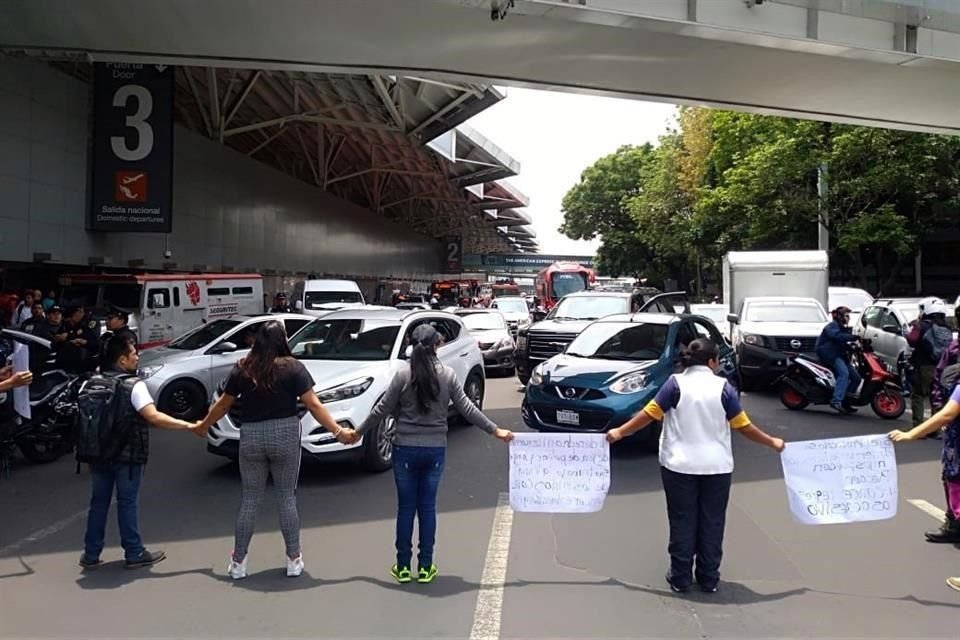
x=188 y=506
x=602 y=574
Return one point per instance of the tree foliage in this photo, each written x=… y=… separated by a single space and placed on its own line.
x=732 y=181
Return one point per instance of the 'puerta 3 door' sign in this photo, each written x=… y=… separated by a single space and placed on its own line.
x=132 y=183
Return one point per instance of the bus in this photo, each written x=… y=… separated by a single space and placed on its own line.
x=560 y=279
x=450 y=292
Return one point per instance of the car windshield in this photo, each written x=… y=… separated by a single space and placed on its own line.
x=316 y=299
x=717 y=313
x=785 y=312
x=589 y=307
x=853 y=300
x=511 y=305
x=346 y=339
x=483 y=321
x=203 y=335
x=566 y=283
x=620 y=341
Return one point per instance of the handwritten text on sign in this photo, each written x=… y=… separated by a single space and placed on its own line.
x=841 y=480
x=559 y=473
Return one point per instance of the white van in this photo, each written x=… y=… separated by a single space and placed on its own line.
x=318 y=297
x=164 y=306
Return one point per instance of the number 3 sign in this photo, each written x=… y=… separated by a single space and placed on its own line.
x=132 y=148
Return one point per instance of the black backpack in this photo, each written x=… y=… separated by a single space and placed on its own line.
x=101 y=432
x=935 y=341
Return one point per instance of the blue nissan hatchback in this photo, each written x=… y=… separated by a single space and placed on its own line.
x=612 y=370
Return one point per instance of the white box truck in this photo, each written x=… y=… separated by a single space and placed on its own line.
x=753 y=274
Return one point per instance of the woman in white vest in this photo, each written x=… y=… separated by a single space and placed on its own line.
x=698 y=410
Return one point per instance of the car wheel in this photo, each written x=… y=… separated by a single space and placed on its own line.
x=474 y=391
x=184 y=399
x=378 y=446
x=747 y=384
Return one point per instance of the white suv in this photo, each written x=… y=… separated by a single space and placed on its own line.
x=352 y=355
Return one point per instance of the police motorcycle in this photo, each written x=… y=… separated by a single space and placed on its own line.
x=807 y=381
x=48 y=434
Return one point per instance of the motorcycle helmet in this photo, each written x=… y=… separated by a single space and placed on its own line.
x=931 y=307
x=841 y=315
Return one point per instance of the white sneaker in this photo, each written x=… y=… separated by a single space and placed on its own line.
x=237 y=570
x=295 y=566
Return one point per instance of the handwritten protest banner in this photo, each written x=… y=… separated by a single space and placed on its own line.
x=559 y=473
x=841 y=480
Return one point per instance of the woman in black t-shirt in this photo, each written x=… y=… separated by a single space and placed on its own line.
x=269 y=381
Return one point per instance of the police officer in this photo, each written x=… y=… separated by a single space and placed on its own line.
x=36 y=319
x=51 y=327
x=117 y=326
x=78 y=352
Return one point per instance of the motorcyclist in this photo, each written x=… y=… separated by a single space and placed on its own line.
x=833 y=349
x=927 y=350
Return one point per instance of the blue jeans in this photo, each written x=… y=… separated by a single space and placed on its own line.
x=697 y=512
x=126 y=478
x=417 y=471
x=846 y=376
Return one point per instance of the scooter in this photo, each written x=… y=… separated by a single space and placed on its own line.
x=48 y=435
x=808 y=382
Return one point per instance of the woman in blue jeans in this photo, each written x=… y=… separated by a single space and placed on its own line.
x=419 y=398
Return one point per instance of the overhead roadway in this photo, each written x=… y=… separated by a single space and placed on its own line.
x=360 y=137
x=884 y=63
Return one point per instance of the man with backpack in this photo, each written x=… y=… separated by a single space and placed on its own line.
x=929 y=338
x=115 y=413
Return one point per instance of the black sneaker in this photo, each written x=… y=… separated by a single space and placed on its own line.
x=836 y=406
x=674 y=587
x=146 y=559
x=89 y=564
x=709 y=588
x=949 y=531
x=849 y=409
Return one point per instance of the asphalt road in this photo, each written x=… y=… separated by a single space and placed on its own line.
x=598 y=575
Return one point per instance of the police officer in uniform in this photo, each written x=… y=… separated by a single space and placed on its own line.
x=36 y=319
x=117 y=321
x=79 y=351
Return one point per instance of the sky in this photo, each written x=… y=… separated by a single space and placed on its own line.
x=555 y=136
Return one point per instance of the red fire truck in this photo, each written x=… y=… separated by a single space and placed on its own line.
x=560 y=279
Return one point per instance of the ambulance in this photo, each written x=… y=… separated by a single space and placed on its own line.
x=164 y=306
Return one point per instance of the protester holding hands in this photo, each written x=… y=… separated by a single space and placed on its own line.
x=269 y=381
x=419 y=397
x=698 y=410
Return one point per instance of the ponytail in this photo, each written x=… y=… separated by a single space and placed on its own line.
x=424 y=376
x=699 y=353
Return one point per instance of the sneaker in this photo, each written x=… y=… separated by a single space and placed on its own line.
x=949 y=531
x=836 y=406
x=146 y=559
x=709 y=588
x=401 y=574
x=954 y=583
x=426 y=575
x=294 y=566
x=674 y=587
x=237 y=570
x=89 y=564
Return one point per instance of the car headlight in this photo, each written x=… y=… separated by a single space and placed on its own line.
x=148 y=372
x=345 y=391
x=521 y=343
x=754 y=339
x=524 y=322
x=630 y=383
x=505 y=342
x=536 y=376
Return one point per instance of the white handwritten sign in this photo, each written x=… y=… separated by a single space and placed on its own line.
x=841 y=480
x=559 y=472
x=21 y=395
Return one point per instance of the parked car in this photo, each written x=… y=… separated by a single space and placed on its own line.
x=545 y=339
x=887 y=322
x=854 y=299
x=493 y=336
x=352 y=355
x=515 y=311
x=717 y=314
x=412 y=306
x=183 y=375
x=612 y=370
x=769 y=330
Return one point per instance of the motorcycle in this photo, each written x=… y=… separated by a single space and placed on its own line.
x=48 y=434
x=808 y=382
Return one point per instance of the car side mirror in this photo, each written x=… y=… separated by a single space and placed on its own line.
x=733 y=318
x=892 y=328
x=224 y=347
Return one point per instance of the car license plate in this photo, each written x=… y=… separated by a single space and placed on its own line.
x=568 y=417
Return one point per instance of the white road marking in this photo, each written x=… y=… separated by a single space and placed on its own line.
x=932 y=511
x=36 y=536
x=486 y=617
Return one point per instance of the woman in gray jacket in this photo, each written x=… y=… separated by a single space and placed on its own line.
x=419 y=397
